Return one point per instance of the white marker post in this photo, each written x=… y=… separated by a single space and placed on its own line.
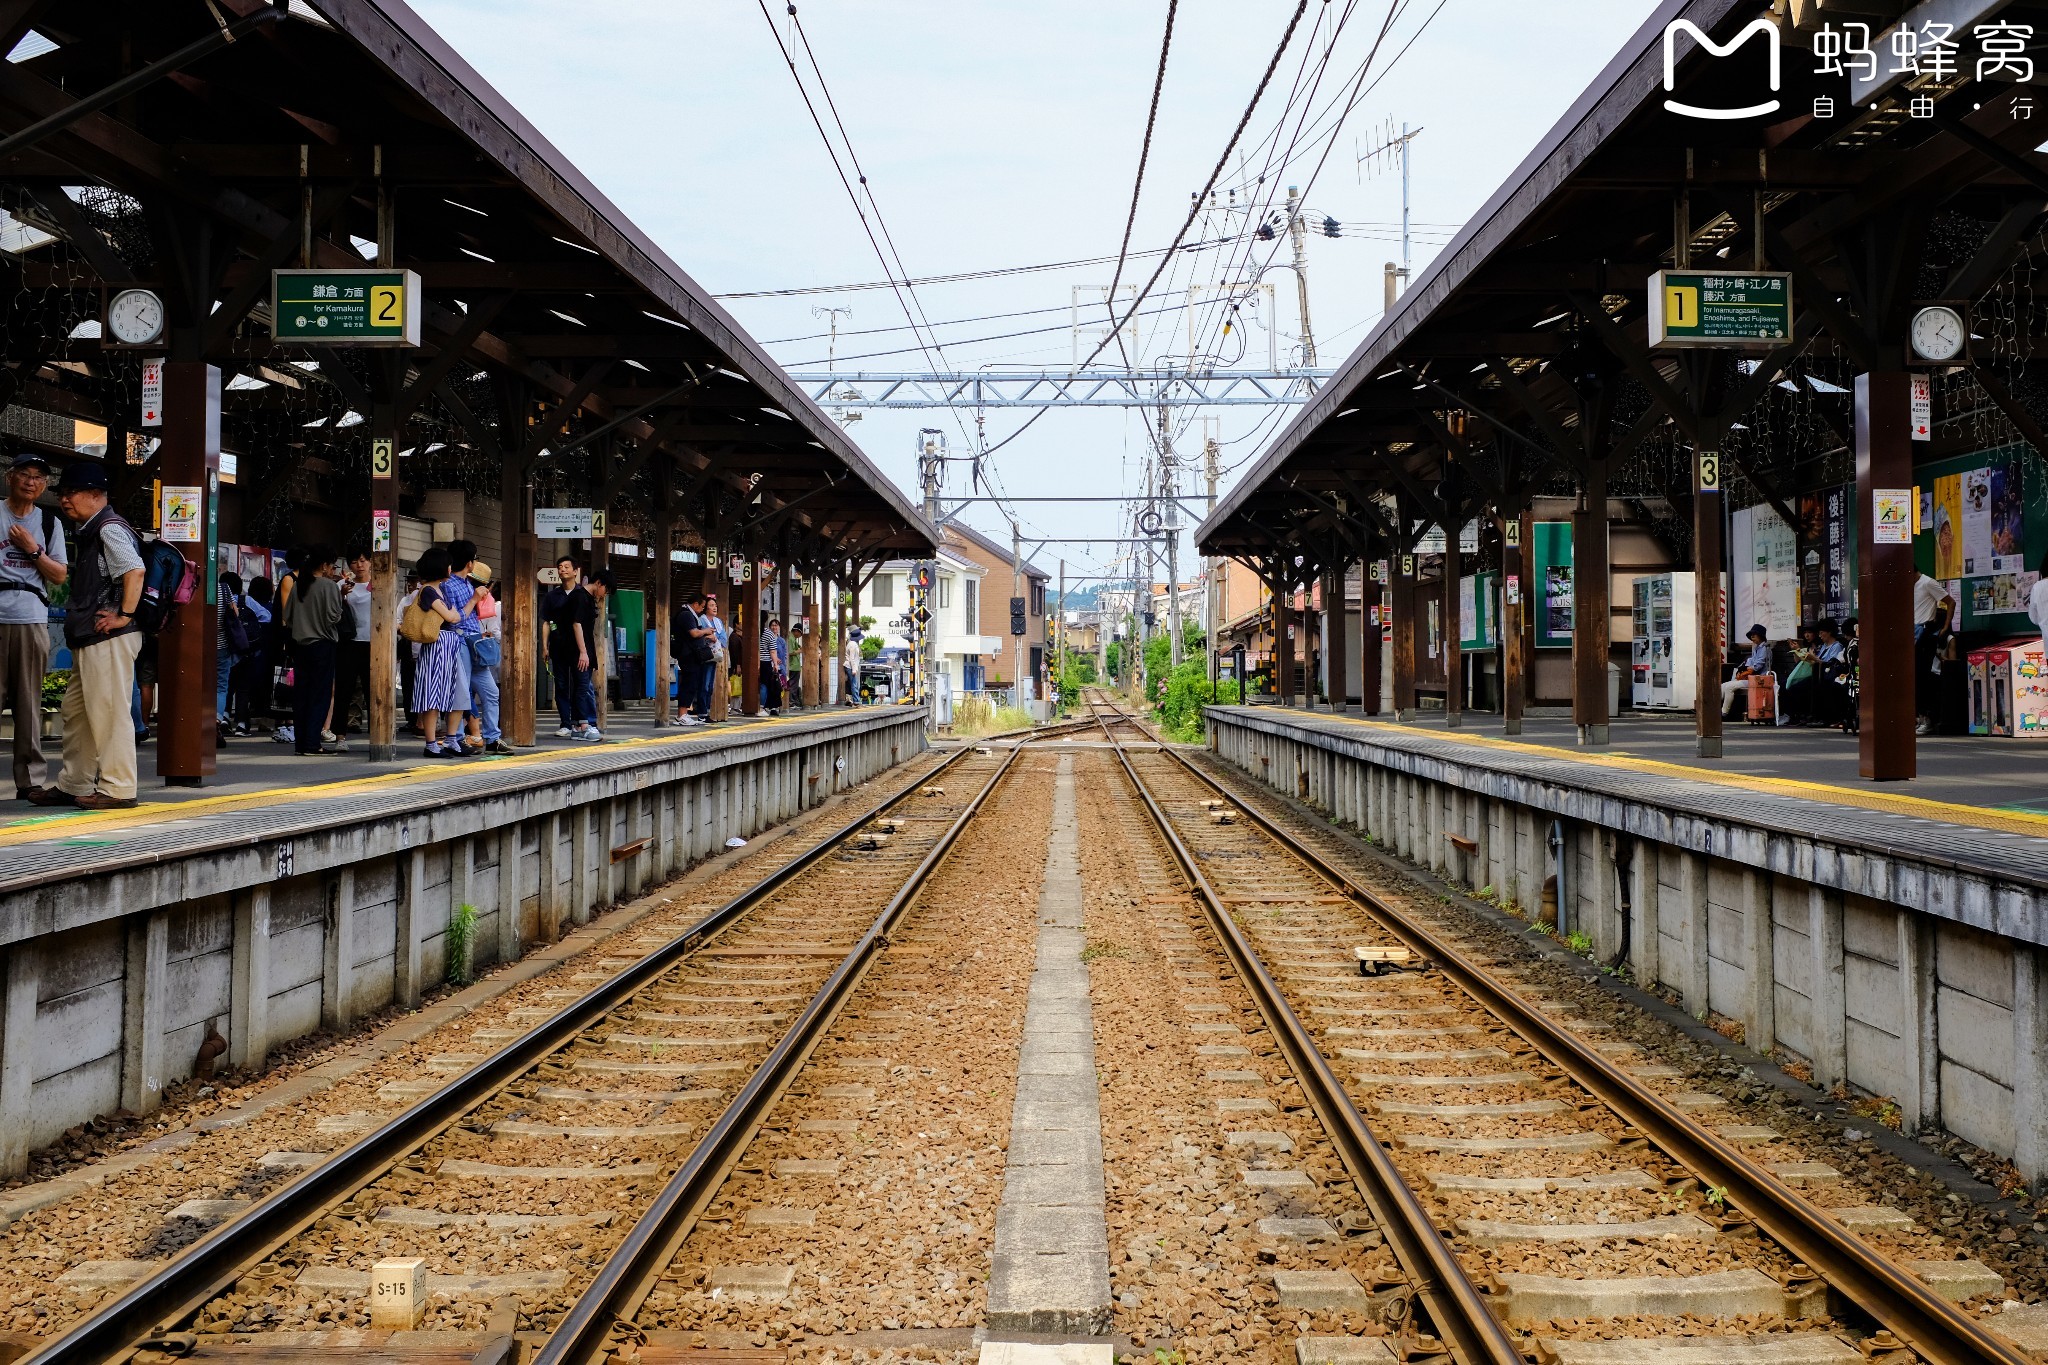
x=398 y=1294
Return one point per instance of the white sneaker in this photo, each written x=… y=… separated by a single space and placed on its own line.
x=590 y=734
x=565 y=733
x=282 y=734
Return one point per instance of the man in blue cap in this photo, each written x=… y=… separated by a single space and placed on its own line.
x=99 y=625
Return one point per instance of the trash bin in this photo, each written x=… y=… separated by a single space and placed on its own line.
x=1613 y=690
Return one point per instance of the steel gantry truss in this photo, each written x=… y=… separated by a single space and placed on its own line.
x=1056 y=388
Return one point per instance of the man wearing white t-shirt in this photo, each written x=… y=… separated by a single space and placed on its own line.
x=31 y=563
x=1933 y=612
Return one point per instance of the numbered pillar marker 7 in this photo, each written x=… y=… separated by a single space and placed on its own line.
x=345 y=307
x=398 y=1294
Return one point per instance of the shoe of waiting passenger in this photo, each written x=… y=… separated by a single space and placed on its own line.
x=329 y=737
x=101 y=801
x=335 y=748
x=590 y=734
x=282 y=734
x=1923 y=726
x=32 y=793
x=53 y=796
x=498 y=748
x=565 y=733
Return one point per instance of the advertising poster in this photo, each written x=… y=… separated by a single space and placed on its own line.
x=2008 y=520
x=1557 y=601
x=1837 y=561
x=1976 y=521
x=181 y=513
x=1948 y=527
x=1765 y=556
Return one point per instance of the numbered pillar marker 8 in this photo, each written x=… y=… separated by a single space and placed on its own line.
x=398 y=1294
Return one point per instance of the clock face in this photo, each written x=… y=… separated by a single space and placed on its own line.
x=135 y=317
x=1938 y=334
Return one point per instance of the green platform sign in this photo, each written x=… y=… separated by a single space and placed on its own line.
x=1698 y=308
x=345 y=307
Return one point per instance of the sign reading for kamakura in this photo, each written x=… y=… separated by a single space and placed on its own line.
x=346 y=307
x=1694 y=308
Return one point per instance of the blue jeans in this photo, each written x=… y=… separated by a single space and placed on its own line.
x=575 y=693
x=483 y=689
x=225 y=667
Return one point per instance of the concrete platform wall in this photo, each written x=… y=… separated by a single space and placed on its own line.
x=113 y=980
x=1860 y=961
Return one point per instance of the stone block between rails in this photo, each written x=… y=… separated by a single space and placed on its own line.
x=1726 y=1294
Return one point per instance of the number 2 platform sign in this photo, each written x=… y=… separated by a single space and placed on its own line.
x=345 y=307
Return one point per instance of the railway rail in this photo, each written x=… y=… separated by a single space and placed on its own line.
x=606 y=1076
x=1453 y=1051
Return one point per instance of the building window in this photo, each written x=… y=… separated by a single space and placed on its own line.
x=945 y=591
x=1038 y=599
x=883 y=591
x=973 y=607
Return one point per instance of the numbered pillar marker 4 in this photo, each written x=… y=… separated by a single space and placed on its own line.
x=398 y=1294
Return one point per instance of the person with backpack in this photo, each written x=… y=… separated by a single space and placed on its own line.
x=696 y=651
x=100 y=625
x=31 y=563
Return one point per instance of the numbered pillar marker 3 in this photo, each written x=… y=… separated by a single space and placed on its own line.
x=398 y=1294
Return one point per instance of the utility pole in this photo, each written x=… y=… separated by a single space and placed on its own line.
x=1398 y=276
x=1018 y=603
x=931 y=469
x=1059 y=635
x=1212 y=575
x=1299 y=234
x=1169 y=490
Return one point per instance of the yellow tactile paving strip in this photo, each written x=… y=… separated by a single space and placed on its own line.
x=1916 y=807
x=59 y=823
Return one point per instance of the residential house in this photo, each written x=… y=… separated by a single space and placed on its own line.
x=958 y=617
x=999 y=669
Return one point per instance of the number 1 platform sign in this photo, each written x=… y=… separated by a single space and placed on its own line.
x=345 y=307
x=1737 y=309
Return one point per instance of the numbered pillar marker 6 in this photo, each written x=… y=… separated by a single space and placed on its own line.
x=398 y=1294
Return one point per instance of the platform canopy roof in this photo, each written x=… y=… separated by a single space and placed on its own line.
x=1518 y=360
x=560 y=342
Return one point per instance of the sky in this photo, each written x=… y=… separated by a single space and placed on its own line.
x=1005 y=133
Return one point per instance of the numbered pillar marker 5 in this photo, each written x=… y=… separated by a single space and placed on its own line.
x=398 y=1294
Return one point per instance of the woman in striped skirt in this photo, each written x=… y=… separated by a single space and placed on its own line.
x=438 y=681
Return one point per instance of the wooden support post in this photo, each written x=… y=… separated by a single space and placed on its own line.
x=1885 y=744
x=813 y=655
x=1371 y=628
x=1404 y=595
x=1454 y=655
x=839 y=638
x=1514 y=662
x=600 y=560
x=1335 y=652
x=1591 y=628
x=189 y=464
x=381 y=706
x=1708 y=606
x=745 y=646
x=1283 y=644
x=662 y=637
x=519 y=598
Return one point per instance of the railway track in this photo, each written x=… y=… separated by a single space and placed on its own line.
x=1537 y=1191
x=592 y=1140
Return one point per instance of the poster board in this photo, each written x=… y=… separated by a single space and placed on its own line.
x=1984 y=526
x=1550 y=574
x=1764 y=554
x=1479 y=611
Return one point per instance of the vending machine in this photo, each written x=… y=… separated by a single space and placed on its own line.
x=1664 y=653
x=2009 y=690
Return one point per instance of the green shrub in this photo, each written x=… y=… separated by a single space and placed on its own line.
x=461 y=945
x=1188 y=690
x=54 y=683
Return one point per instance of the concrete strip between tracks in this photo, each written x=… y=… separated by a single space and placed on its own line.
x=1050 y=1270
